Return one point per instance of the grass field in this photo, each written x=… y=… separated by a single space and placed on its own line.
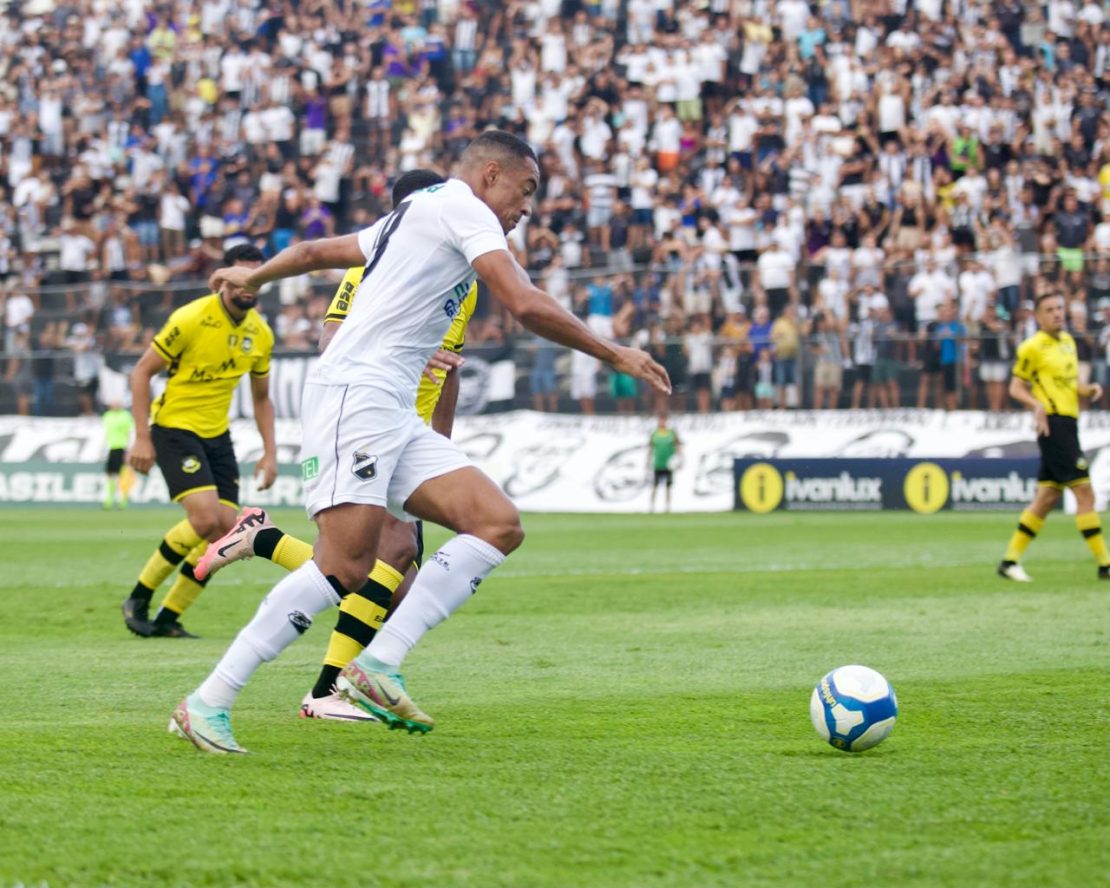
x=625 y=703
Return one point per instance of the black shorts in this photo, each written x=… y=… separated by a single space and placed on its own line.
x=1062 y=461
x=190 y=463
x=664 y=475
x=948 y=374
x=115 y=461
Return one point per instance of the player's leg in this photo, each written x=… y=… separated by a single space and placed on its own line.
x=488 y=528
x=187 y=586
x=182 y=461
x=211 y=519
x=668 y=482
x=1089 y=525
x=344 y=553
x=361 y=615
x=1029 y=525
x=347 y=477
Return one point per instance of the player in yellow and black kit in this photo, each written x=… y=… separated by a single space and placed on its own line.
x=361 y=613
x=205 y=348
x=1046 y=380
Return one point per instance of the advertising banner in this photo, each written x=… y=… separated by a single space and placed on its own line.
x=923 y=486
x=562 y=463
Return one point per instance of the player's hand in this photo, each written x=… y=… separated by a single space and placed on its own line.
x=442 y=360
x=637 y=362
x=1040 y=421
x=141 y=457
x=265 y=472
x=1094 y=393
x=234 y=276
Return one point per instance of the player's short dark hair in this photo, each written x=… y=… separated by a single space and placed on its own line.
x=243 y=253
x=499 y=143
x=414 y=180
x=1051 y=294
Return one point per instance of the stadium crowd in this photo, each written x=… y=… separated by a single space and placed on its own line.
x=792 y=203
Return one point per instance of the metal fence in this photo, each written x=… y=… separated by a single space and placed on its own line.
x=858 y=340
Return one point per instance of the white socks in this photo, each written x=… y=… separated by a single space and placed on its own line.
x=282 y=617
x=444 y=584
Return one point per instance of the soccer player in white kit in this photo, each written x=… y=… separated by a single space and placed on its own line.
x=365 y=450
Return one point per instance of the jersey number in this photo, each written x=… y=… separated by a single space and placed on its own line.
x=392 y=221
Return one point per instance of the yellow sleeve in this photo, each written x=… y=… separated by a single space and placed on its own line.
x=456 y=334
x=1025 y=362
x=341 y=302
x=172 y=339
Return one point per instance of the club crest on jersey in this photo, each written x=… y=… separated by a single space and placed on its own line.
x=248 y=344
x=190 y=465
x=365 y=465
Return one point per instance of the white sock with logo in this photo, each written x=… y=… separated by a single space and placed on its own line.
x=444 y=584
x=282 y=617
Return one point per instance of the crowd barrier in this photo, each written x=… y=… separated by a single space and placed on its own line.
x=563 y=463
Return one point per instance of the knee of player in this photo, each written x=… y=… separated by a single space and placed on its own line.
x=399 y=550
x=505 y=532
x=207 y=525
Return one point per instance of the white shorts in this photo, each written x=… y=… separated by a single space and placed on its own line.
x=994 y=371
x=360 y=445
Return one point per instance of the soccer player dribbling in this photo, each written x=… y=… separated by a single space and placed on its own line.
x=1046 y=380
x=364 y=449
x=364 y=610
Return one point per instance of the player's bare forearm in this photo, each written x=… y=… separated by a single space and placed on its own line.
x=315 y=255
x=538 y=312
x=443 y=417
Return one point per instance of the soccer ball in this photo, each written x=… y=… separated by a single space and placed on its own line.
x=853 y=708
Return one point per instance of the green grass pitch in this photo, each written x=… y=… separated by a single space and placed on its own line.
x=625 y=703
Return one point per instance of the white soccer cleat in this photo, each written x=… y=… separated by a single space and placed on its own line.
x=1011 y=570
x=334 y=707
x=235 y=545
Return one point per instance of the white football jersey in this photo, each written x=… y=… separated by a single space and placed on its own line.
x=418 y=271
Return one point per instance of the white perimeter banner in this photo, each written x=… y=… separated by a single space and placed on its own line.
x=560 y=463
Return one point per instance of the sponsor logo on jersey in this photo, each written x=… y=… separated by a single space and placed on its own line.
x=365 y=465
x=211 y=322
x=310 y=468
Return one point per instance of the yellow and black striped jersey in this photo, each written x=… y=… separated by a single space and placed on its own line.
x=208 y=352
x=427 y=395
x=1051 y=365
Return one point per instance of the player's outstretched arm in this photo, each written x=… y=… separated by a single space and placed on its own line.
x=315 y=255
x=541 y=314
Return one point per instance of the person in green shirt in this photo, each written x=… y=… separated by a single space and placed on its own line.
x=118 y=426
x=664 y=449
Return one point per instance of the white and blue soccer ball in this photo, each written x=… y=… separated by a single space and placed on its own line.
x=853 y=708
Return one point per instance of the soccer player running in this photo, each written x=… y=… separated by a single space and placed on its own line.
x=1046 y=380
x=362 y=612
x=664 y=448
x=205 y=348
x=364 y=448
